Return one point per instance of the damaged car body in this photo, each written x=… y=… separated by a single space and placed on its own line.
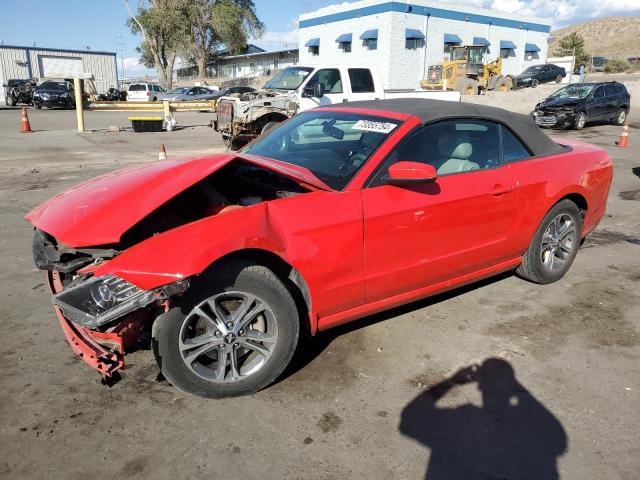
x=577 y=104
x=222 y=263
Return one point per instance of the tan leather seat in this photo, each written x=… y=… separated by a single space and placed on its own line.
x=454 y=156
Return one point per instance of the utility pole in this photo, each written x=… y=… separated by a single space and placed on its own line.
x=120 y=43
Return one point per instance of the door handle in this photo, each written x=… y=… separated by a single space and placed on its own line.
x=499 y=189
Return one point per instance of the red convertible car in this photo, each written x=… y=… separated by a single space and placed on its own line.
x=221 y=263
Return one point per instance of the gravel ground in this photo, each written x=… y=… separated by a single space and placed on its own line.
x=559 y=381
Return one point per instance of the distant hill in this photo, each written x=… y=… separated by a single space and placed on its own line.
x=608 y=37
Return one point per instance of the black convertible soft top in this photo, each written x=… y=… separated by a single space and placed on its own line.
x=429 y=111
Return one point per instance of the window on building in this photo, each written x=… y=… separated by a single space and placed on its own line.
x=505 y=52
x=345 y=47
x=361 y=80
x=413 y=43
x=275 y=64
x=329 y=78
x=315 y=50
x=370 y=44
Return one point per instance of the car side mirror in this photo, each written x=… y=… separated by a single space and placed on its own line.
x=316 y=90
x=404 y=172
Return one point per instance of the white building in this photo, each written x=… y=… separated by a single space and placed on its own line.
x=253 y=62
x=402 y=38
x=53 y=63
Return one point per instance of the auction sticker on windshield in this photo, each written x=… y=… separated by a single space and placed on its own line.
x=371 y=126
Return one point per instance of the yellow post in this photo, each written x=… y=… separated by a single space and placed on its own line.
x=77 y=86
x=167 y=109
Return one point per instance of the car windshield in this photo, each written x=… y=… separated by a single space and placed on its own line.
x=59 y=86
x=332 y=145
x=289 y=79
x=573 y=91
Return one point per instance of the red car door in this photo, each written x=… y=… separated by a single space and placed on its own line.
x=416 y=235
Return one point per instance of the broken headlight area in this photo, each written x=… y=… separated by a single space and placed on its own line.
x=99 y=300
x=49 y=254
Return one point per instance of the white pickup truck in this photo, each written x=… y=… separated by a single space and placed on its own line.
x=295 y=89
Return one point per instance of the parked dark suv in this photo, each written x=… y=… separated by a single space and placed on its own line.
x=54 y=94
x=579 y=103
x=536 y=74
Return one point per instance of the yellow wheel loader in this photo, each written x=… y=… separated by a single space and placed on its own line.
x=467 y=73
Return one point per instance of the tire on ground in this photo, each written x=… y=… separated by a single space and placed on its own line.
x=621 y=117
x=467 y=86
x=580 y=121
x=532 y=267
x=233 y=275
x=502 y=85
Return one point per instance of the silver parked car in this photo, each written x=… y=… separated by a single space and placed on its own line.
x=194 y=94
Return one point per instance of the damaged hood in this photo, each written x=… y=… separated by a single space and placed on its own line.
x=558 y=102
x=101 y=210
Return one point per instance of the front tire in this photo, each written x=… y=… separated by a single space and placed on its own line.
x=502 y=85
x=554 y=246
x=467 y=86
x=580 y=121
x=232 y=334
x=268 y=126
x=558 y=78
x=534 y=83
x=10 y=100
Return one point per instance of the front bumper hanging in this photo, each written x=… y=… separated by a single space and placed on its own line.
x=102 y=351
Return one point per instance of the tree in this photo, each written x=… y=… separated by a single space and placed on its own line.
x=165 y=29
x=572 y=45
x=217 y=23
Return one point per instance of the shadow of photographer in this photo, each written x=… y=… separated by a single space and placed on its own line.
x=512 y=436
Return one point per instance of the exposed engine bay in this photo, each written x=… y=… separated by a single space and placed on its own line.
x=236 y=185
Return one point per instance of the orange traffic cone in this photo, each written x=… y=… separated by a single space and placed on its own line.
x=624 y=136
x=24 y=118
x=163 y=152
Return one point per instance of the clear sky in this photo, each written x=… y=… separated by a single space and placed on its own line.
x=97 y=24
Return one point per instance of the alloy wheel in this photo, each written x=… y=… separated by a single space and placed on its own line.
x=622 y=116
x=228 y=337
x=558 y=241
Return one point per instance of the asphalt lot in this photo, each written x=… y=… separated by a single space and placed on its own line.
x=354 y=404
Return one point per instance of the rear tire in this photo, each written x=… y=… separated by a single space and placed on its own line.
x=554 y=246
x=621 y=117
x=252 y=363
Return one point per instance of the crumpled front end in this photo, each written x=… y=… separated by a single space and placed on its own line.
x=102 y=350
x=102 y=317
x=241 y=119
x=554 y=117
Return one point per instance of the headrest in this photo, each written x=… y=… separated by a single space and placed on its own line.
x=454 y=149
x=463 y=151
